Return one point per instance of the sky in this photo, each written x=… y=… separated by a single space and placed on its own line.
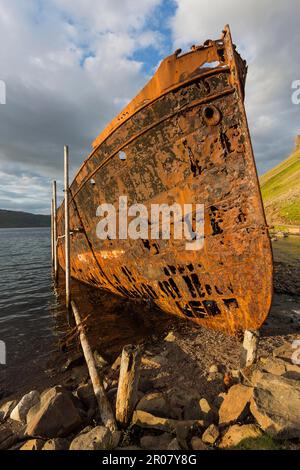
x=69 y=66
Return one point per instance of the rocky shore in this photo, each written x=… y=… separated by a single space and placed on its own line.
x=193 y=392
x=182 y=403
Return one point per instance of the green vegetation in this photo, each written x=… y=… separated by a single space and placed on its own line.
x=264 y=442
x=13 y=219
x=291 y=212
x=280 y=188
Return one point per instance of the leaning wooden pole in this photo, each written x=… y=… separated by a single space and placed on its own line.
x=105 y=409
x=51 y=235
x=55 y=261
x=67 y=225
x=128 y=383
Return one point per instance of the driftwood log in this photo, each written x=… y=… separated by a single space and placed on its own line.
x=105 y=409
x=128 y=383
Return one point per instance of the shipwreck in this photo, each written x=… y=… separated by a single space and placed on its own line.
x=184 y=138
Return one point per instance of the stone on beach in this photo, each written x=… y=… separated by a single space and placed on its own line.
x=160 y=442
x=98 y=438
x=33 y=444
x=219 y=400
x=198 y=444
x=154 y=362
x=100 y=361
x=213 y=369
x=285 y=351
x=276 y=406
x=174 y=445
x=147 y=420
x=8 y=436
x=278 y=366
x=56 y=444
x=19 y=413
x=6 y=408
x=235 y=404
x=199 y=409
x=75 y=360
x=170 y=338
x=237 y=433
x=204 y=406
x=154 y=403
x=86 y=394
x=210 y=435
x=55 y=415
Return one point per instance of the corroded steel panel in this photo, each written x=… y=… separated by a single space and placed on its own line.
x=186 y=140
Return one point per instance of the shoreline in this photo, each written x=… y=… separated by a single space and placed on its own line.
x=184 y=368
x=186 y=374
x=186 y=393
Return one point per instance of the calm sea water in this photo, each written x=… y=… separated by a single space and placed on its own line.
x=33 y=322
x=30 y=309
x=26 y=300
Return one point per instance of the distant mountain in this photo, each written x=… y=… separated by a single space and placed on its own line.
x=14 y=219
x=280 y=189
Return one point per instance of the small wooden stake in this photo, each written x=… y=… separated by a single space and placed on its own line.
x=55 y=262
x=128 y=383
x=249 y=348
x=106 y=413
x=67 y=225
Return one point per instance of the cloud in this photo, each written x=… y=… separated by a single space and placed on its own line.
x=68 y=68
x=27 y=191
x=268 y=36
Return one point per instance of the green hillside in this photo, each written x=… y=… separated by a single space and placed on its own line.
x=14 y=219
x=280 y=189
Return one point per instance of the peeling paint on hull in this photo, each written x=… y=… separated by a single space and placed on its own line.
x=186 y=139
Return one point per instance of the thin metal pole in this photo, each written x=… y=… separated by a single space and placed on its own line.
x=51 y=234
x=55 y=230
x=67 y=225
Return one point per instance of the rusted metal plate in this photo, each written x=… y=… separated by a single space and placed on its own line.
x=186 y=139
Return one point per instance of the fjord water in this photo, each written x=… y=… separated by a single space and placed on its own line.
x=26 y=300
x=33 y=319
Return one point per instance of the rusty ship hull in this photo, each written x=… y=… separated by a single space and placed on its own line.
x=186 y=139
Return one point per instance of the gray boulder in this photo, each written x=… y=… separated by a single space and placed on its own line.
x=98 y=438
x=6 y=409
x=154 y=403
x=55 y=416
x=276 y=406
x=160 y=442
x=20 y=411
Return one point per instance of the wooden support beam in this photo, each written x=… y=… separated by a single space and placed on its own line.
x=51 y=235
x=105 y=409
x=128 y=383
x=67 y=225
x=55 y=259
